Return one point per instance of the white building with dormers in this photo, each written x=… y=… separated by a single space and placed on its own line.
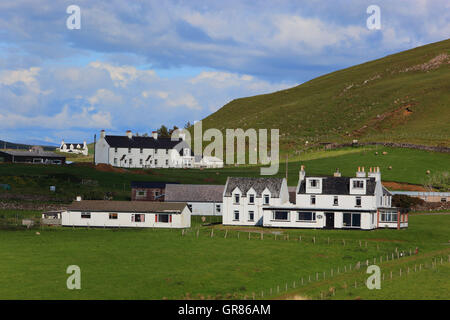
x=359 y=202
x=77 y=148
x=143 y=152
x=245 y=198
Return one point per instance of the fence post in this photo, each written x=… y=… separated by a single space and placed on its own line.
x=226 y=232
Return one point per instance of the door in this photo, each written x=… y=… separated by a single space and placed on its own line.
x=329 y=220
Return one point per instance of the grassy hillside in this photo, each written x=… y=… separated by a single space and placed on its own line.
x=403 y=97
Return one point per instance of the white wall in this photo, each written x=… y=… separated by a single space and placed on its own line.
x=206 y=208
x=101 y=219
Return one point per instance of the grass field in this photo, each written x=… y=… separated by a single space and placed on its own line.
x=156 y=264
x=408 y=165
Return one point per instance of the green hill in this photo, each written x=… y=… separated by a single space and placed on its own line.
x=404 y=97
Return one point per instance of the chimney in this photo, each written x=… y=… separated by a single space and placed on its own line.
x=155 y=135
x=102 y=134
x=337 y=173
x=78 y=198
x=375 y=173
x=360 y=173
x=129 y=134
x=302 y=173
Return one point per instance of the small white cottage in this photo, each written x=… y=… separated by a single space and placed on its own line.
x=137 y=214
x=77 y=148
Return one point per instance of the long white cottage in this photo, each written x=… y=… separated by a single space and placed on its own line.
x=143 y=152
x=136 y=214
x=77 y=148
x=245 y=198
x=336 y=202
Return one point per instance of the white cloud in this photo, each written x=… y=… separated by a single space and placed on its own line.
x=122 y=75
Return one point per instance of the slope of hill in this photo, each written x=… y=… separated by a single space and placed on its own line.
x=21 y=146
x=404 y=97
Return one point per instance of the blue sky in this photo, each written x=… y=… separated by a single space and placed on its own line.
x=139 y=64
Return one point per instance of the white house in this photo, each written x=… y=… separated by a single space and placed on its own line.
x=245 y=198
x=137 y=214
x=143 y=152
x=202 y=200
x=337 y=202
x=78 y=148
x=208 y=162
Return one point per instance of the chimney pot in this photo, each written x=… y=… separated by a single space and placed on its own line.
x=78 y=198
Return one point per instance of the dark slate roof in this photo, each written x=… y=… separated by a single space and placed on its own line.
x=339 y=186
x=142 y=142
x=194 y=193
x=74 y=144
x=149 y=184
x=126 y=206
x=258 y=184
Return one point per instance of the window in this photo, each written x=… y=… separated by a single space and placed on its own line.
x=138 y=217
x=352 y=220
x=115 y=161
x=335 y=201
x=236 y=215
x=372 y=216
x=218 y=208
x=266 y=199
x=251 y=216
x=156 y=162
x=358 y=202
x=167 y=151
x=129 y=150
x=281 y=215
x=313 y=200
x=113 y=216
x=389 y=217
x=115 y=150
x=131 y=162
x=164 y=218
x=167 y=162
x=443 y=200
x=251 y=199
x=85 y=215
x=141 y=193
x=314 y=183
x=236 y=198
x=141 y=161
x=306 y=216
x=358 y=184
x=141 y=150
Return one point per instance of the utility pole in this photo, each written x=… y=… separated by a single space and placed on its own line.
x=95 y=143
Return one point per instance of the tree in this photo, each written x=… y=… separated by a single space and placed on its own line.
x=163 y=132
x=188 y=125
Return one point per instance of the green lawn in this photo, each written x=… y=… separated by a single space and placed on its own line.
x=155 y=264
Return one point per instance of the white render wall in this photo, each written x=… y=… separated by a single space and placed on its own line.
x=319 y=223
x=101 y=219
x=325 y=201
x=205 y=208
x=244 y=206
x=105 y=154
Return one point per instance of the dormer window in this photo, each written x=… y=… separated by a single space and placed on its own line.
x=237 y=198
x=266 y=199
x=142 y=150
x=129 y=150
x=358 y=184
x=314 y=183
x=251 y=199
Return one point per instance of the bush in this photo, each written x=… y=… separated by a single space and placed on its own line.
x=405 y=202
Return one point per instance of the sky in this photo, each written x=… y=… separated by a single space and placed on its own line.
x=139 y=64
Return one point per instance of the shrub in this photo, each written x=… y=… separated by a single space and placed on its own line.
x=405 y=202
